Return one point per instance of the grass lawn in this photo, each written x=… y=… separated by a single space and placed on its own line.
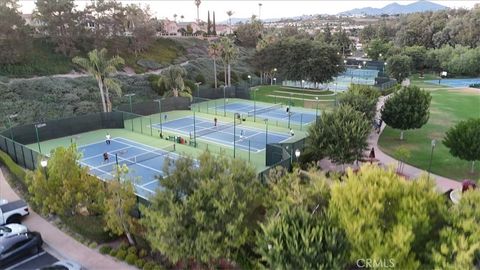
x=297 y=97
x=447 y=108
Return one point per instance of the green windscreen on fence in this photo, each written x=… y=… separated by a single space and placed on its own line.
x=19 y=153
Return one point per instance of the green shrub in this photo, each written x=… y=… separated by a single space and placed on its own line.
x=93 y=245
x=121 y=254
x=139 y=263
x=16 y=172
x=132 y=250
x=123 y=246
x=158 y=267
x=113 y=252
x=143 y=253
x=131 y=258
x=105 y=249
x=90 y=227
x=191 y=85
x=148 y=266
x=149 y=64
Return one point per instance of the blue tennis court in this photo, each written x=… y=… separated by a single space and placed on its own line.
x=144 y=162
x=253 y=139
x=456 y=83
x=274 y=112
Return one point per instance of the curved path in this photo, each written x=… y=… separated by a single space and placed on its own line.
x=60 y=244
x=443 y=183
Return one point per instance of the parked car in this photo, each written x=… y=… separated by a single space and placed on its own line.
x=13 y=212
x=19 y=245
x=11 y=229
x=63 y=265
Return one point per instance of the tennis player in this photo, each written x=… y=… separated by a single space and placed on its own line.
x=215 y=120
x=105 y=157
x=241 y=134
x=287 y=110
x=108 y=138
x=292 y=133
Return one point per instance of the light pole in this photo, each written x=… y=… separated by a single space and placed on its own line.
x=297 y=154
x=335 y=94
x=234 y=132
x=266 y=131
x=254 y=104
x=10 y=117
x=160 y=113
x=224 y=102
x=303 y=82
x=316 y=112
x=275 y=81
x=433 y=144
x=198 y=88
x=194 y=130
x=249 y=81
x=37 y=126
x=44 y=164
x=273 y=74
x=130 y=101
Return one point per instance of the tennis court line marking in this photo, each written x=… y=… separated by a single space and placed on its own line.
x=148 y=183
x=99 y=155
x=135 y=184
x=145 y=145
x=221 y=142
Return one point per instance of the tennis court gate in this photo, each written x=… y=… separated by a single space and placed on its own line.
x=281 y=155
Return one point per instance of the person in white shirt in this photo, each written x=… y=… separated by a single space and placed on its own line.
x=292 y=133
x=108 y=138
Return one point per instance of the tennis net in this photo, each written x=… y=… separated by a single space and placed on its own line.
x=148 y=155
x=263 y=110
x=220 y=126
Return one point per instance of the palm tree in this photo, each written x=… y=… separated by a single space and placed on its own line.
x=181 y=18
x=215 y=50
x=197 y=3
x=229 y=55
x=230 y=13
x=172 y=79
x=175 y=17
x=101 y=68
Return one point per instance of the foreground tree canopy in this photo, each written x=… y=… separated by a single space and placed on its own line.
x=463 y=140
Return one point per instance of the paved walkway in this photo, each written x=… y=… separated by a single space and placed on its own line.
x=60 y=244
x=443 y=184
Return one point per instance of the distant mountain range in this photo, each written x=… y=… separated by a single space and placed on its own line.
x=395 y=8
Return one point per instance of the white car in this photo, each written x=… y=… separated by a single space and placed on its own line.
x=11 y=229
x=66 y=265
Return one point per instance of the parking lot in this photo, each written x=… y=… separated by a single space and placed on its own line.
x=35 y=261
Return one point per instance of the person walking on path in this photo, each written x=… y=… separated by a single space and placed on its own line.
x=372 y=155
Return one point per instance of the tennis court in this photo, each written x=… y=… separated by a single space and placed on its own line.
x=253 y=139
x=456 y=83
x=144 y=162
x=274 y=112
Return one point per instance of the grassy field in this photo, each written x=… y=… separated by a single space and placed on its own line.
x=295 y=96
x=447 y=108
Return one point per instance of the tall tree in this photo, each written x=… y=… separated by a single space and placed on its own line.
x=142 y=28
x=119 y=204
x=64 y=188
x=205 y=213
x=172 y=78
x=341 y=136
x=229 y=55
x=102 y=69
x=387 y=218
x=214 y=31
x=229 y=14
x=399 y=67
x=408 y=108
x=248 y=34
x=14 y=41
x=215 y=51
x=60 y=22
x=362 y=98
x=463 y=140
x=197 y=3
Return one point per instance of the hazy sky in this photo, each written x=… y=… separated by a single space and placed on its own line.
x=244 y=9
